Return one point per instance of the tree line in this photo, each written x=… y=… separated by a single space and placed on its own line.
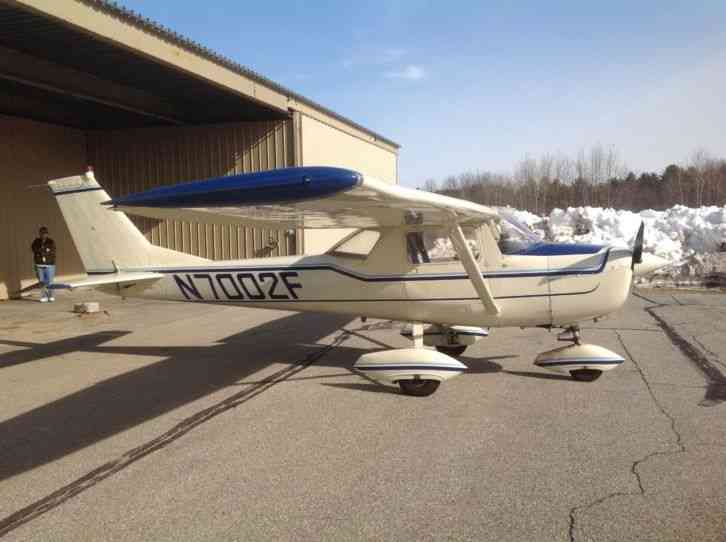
x=597 y=177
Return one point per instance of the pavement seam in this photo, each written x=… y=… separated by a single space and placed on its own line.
x=715 y=380
x=634 y=466
x=58 y=497
x=714 y=355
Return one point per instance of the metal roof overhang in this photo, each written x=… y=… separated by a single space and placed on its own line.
x=54 y=72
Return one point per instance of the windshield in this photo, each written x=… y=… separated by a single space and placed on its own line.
x=514 y=236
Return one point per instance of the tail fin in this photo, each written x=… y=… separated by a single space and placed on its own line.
x=106 y=239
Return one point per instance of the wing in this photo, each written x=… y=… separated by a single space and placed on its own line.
x=304 y=197
x=316 y=197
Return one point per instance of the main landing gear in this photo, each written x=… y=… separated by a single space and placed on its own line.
x=583 y=362
x=419 y=371
x=450 y=340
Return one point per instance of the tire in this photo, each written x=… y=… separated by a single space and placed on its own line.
x=418 y=388
x=585 y=375
x=454 y=350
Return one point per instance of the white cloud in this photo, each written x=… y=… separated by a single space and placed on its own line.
x=411 y=72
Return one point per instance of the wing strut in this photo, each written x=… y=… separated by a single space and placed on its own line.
x=472 y=268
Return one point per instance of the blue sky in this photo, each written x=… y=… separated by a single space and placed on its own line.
x=479 y=85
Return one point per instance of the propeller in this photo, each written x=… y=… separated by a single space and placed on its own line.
x=638 y=247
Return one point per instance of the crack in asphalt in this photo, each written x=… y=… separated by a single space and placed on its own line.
x=641 y=296
x=715 y=393
x=634 y=466
x=58 y=497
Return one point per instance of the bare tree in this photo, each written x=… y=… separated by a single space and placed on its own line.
x=699 y=162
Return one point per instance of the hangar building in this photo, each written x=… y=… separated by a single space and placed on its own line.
x=88 y=82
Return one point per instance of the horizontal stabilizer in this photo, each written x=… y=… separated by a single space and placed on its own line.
x=105 y=279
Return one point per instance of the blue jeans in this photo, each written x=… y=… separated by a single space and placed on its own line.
x=45 y=274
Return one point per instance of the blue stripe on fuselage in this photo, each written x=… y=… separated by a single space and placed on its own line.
x=383 y=278
x=558 y=249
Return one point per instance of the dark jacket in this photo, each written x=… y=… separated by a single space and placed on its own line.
x=44 y=251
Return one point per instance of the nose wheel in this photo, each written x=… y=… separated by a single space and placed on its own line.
x=418 y=387
x=583 y=362
x=585 y=375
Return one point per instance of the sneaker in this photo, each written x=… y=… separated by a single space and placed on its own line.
x=43 y=299
x=51 y=299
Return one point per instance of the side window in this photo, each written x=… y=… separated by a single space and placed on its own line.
x=434 y=246
x=513 y=237
x=357 y=245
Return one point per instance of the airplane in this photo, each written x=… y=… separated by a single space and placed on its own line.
x=452 y=269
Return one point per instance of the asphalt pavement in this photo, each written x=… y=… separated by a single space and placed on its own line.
x=162 y=421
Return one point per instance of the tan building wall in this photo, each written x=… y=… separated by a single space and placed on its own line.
x=31 y=153
x=130 y=161
x=322 y=144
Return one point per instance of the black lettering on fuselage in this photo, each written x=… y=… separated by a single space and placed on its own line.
x=291 y=286
x=271 y=292
x=251 y=279
x=211 y=283
x=221 y=277
x=256 y=287
x=187 y=288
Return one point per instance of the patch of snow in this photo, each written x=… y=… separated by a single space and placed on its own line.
x=683 y=235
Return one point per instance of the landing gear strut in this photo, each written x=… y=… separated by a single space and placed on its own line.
x=570 y=334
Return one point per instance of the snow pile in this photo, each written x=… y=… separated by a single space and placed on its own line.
x=683 y=235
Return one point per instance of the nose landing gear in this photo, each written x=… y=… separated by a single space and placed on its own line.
x=418 y=388
x=583 y=362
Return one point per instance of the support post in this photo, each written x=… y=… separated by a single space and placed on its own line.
x=417 y=334
x=472 y=268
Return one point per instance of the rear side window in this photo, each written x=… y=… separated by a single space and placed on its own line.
x=434 y=246
x=357 y=245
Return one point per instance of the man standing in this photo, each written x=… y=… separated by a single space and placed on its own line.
x=44 y=257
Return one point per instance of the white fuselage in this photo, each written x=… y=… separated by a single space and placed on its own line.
x=531 y=290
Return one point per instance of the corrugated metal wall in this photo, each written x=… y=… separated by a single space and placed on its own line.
x=31 y=153
x=134 y=160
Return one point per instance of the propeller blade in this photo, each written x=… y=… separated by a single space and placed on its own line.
x=638 y=247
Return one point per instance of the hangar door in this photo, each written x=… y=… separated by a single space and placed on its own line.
x=31 y=153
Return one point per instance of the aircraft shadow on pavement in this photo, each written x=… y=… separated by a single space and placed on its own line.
x=186 y=373
x=38 y=351
x=543 y=376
